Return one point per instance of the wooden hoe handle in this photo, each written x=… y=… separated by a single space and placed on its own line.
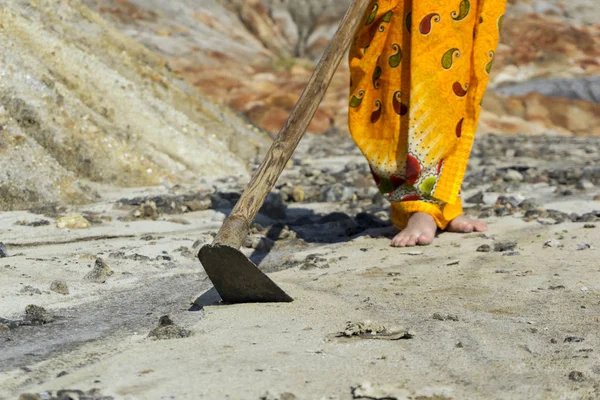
x=235 y=228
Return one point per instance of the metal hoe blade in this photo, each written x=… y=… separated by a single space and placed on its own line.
x=236 y=278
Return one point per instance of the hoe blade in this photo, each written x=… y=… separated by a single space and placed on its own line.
x=237 y=279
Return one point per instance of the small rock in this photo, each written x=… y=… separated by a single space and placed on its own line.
x=298 y=194
x=448 y=317
x=147 y=210
x=36 y=315
x=589 y=226
x=528 y=205
x=168 y=330
x=484 y=248
x=62 y=373
x=3 y=252
x=505 y=246
x=546 y=221
x=30 y=290
x=513 y=175
x=100 y=273
x=576 y=376
x=369 y=330
x=198 y=205
x=573 y=339
x=73 y=222
x=585 y=184
x=553 y=243
x=477 y=198
x=59 y=287
x=511 y=253
x=490 y=198
x=583 y=246
x=4 y=328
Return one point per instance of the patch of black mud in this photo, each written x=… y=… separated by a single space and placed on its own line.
x=120 y=314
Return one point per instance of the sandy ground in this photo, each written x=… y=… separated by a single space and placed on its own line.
x=516 y=323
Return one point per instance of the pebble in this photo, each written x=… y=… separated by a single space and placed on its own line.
x=36 y=315
x=100 y=273
x=585 y=184
x=73 y=222
x=484 y=248
x=553 y=243
x=573 y=339
x=30 y=290
x=513 y=175
x=583 y=246
x=576 y=376
x=3 y=252
x=168 y=330
x=148 y=210
x=505 y=246
x=298 y=194
x=448 y=317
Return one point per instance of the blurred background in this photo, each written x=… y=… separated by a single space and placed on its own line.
x=101 y=91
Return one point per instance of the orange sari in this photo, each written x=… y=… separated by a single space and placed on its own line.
x=419 y=69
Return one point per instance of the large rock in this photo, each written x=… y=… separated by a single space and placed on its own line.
x=80 y=101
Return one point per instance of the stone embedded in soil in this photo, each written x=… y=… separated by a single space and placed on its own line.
x=100 y=272
x=484 y=248
x=36 y=315
x=576 y=376
x=60 y=287
x=4 y=328
x=370 y=330
x=583 y=246
x=283 y=396
x=30 y=290
x=147 y=210
x=447 y=317
x=168 y=330
x=553 y=243
x=505 y=246
x=3 y=252
x=573 y=339
x=298 y=194
x=73 y=222
x=314 y=261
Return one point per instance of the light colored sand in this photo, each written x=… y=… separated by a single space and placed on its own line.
x=507 y=319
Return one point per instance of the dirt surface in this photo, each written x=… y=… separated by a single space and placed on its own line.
x=512 y=313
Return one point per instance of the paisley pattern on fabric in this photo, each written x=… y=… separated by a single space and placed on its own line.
x=415 y=94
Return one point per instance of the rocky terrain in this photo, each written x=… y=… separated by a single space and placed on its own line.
x=80 y=102
x=128 y=130
x=511 y=313
x=245 y=55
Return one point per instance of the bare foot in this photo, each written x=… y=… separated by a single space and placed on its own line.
x=463 y=224
x=420 y=231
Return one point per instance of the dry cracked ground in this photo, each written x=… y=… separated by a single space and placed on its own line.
x=509 y=314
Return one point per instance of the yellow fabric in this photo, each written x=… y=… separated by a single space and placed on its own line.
x=419 y=69
x=442 y=215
